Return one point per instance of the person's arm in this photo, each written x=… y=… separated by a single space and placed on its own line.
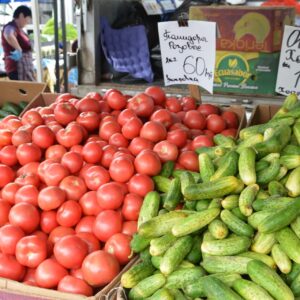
x=9 y=34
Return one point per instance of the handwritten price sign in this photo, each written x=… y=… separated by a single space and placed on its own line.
x=288 y=78
x=188 y=53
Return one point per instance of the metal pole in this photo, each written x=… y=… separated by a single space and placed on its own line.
x=37 y=39
x=64 y=40
x=57 y=85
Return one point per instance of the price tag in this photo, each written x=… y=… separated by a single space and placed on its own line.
x=188 y=53
x=288 y=77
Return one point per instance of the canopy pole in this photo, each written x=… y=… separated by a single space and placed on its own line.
x=57 y=84
x=37 y=39
x=64 y=40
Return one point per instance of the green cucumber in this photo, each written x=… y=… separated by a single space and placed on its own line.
x=291 y=161
x=261 y=165
x=295 y=225
x=294 y=273
x=296 y=132
x=160 y=245
x=206 y=165
x=273 y=202
x=218 y=229
x=263 y=242
x=139 y=243
x=262 y=194
x=162 y=183
x=257 y=218
x=173 y=196
x=224 y=141
x=235 y=224
x=12 y=108
x=270 y=157
x=145 y=255
x=246 y=166
x=213 y=152
x=156 y=261
x=282 y=261
x=177 y=173
x=282 y=173
x=230 y=202
x=150 y=207
x=267 y=278
x=178 y=295
x=291 y=149
x=161 y=294
x=4 y=113
x=167 y=169
x=215 y=203
x=268 y=174
x=201 y=204
x=275 y=188
x=249 y=142
x=22 y=104
x=292 y=184
x=295 y=286
x=186 y=178
x=268 y=260
x=237 y=212
x=195 y=254
x=246 y=198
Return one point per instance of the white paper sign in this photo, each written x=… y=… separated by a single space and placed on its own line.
x=288 y=78
x=188 y=53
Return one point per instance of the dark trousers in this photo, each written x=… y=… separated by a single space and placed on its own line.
x=13 y=75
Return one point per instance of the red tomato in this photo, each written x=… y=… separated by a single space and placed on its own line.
x=153 y=131
x=21 y=137
x=31 y=251
x=231 y=119
x=107 y=129
x=86 y=224
x=132 y=128
x=8 y=192
x=9 y=237
x=132 y=206
x=42 y=167
x=58 y=232
x=209 y=133
x=91 y=241
x=27 y=193
x=5 y=207
x=65 y=97
x=230 y=132
x=77 y=273
x=141 y=104
x=118 y=140
x=173 y=104
x=43 y=136
x=31 y=167
x=69 y=213
x=65 y=113
x=166 y=151
x=92 y=152
x=49 y=273
x=14 y=124
x=7 y=175
x=121 y=169
x=55 y=152
x=89 y=204
x=5 y=137
x=194 y=120
x=26 y=216
x=189 y=160
x=116 y=100
x=100 y=268
x=163 y=116
x=207 y=109
x=76 y=148
x=110 y=195
x=51 y=198
x=147 y=162
x=90 y=120
x=104 y=107
x=107 y=155
x=54 y=174
x=8 y=155
x=107 y=223
x=195 y=133
x=48 y=221
x=157 y=94
x=33 y=118
x=29 y=276
x=177 y=137
x=27 y=153
x=54 y=126
x=202 y=141
x=73 y=285
x=215 y=123
x=130 y=228
x=74 y=187
x=119 y=246
x=140 y=184
x=96 y=176
x=188 y=103
x=70 y=251
x=73 y=161
x=87 y=104
x=139 y=144
x=10 y=268
x=125 y=115
x=70 y=136
x=94 y=95
x=28 y=178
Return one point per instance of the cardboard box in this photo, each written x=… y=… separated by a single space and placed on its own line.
x=250 y=73
x=246 y=28
x=262 y=113
x=17 y=91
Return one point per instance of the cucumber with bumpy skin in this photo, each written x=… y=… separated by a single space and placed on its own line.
x=218 y=229
x=150 y=207
x=263 y=242
x=230 y=202
x=246 y=165
x=246 y=198
x=281 y=259
x=160 y=245
x=206 y=165
x=173 y=196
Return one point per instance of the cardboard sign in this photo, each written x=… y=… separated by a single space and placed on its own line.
x=288 y=78
x=188 y=53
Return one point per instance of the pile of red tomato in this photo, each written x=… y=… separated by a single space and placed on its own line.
x=73 y=176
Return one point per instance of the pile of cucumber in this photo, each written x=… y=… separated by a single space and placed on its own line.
x=10 y=108
x=231 y=231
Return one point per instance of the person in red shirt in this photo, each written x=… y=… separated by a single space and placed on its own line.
x=17 y=46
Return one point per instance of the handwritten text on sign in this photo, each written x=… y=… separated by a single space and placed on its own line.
x=188 y=53
x=288 y=78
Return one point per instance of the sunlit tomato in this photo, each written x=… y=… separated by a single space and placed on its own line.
x=5 y=137
x=58 y=232
x=173 y=104
x=55 y=152
x=140 y=184
x=89 y=204
x=141 y=104
x=194 y=120
x=31 y=167
x=76 y=148
x=51 y=198
x=49 y=273
x=107 y=223
x=77 y=273
x=121 y=169
x=54 y=126
x=49 y=119
x=131 y=206
x=92 y=152
x=166 y=151
x=9 y=236
x=163 y=116
x=55 y=173
x=33 y=118
x=43 y=136
x=70 y=251
x=72 y=161
x=27 y=193
x=100 y=268
x=48 y=221
x=117 y=139
x=29 y=276
x=124 y=153
x=207 y=109
x=116 y=100
x=95 y=176
x=10 y=268
x=27 y=153
x=91 y=241
x=65 y=113
x=73 y=285
x=24 y=215
x=177 y=137
x=105 y=109
x=8 y=155
x=69 y=213
x=110 y=195
x=89 y=120
x=108 y=128
x=107 y=155
x=8 y=192
x=189 y=160
x=74 y=187
x=65 y=97
x=21 y=137
x=230 y=132
x=130 y=228
x=153 y=131
x=13 y=125
x=7 y=175
x=42 y=167
x=147 y=162
x=31 y=251
x=202 y=141
x=132 y=128
x=70 y=136
x=94 y=95
x=188 y=103
x=157 y=94
x=231 y=119
x=215 y=123
x=139 y=144
x=88 y=104
x=125 y=115
x=86 y=224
